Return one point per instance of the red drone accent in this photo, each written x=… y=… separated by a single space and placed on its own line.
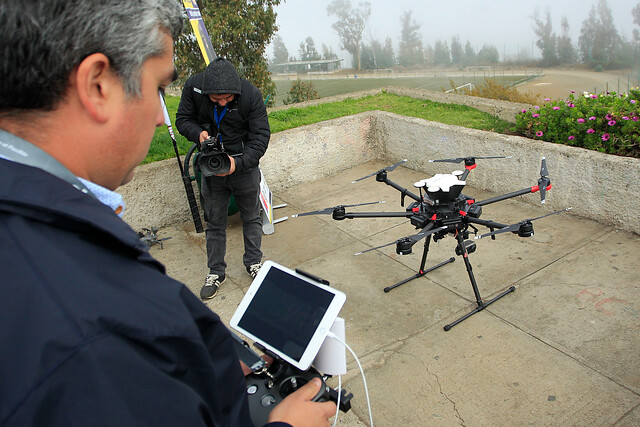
x=473 y=166
x=537 y=188
x=434 y=217
x=470 y=201
x=463 y=213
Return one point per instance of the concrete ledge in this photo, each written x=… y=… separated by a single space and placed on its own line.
x=597 y=186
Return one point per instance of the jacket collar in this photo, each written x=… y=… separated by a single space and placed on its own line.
x=35 y=194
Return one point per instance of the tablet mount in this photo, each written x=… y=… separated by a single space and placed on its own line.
x=268 y=388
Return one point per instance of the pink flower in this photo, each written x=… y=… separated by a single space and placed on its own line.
x=633 y=101
x=635 y=119
x=605 y=137
x=581 y=120
x=535 y=116
x=537 y=107
x=556 y=108
x=572 y=105
x=625 y=118
x=592 y=118
x=590 y=131
x=594 y=96
x=608 y=117
x=547 y=99
x=539 y=133
x=612 y=122
x=523 y=111
x=573 y=91
x=571 y=137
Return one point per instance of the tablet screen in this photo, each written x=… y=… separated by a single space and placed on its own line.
x=285 y=312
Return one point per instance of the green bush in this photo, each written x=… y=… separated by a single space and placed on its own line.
x=300 y=92
x=607 y=122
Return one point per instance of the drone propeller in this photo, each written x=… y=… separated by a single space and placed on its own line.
x=328 y=211
x=544 y=180
x=462 y=159
x=409 y=240
x=514 y=228
x=387 y=169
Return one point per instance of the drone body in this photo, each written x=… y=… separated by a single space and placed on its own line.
x=442 y=209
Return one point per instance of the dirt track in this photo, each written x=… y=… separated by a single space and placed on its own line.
x=558 y=84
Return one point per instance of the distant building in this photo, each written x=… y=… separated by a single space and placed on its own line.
x=301 y=67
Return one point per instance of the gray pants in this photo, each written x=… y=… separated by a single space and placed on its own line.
x=216 y=191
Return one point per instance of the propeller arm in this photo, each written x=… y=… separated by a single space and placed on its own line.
x=514 y=228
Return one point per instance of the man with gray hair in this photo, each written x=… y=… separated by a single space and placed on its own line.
x=93 y=331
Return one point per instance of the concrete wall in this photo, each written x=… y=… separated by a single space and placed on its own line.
x=597 y=186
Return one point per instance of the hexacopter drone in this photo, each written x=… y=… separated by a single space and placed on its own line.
x=441 y=209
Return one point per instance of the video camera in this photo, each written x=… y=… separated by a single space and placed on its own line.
x=213 y=159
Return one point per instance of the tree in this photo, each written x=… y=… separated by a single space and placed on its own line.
x=308 y=50
x=240 y=30
x=457 y=51
x=441 y=53
x=350 y=25
x=469 y=54
x=280 y=52
x=327 y=52
x=635 y=13
x=410 y=51
x=566 y=52
x=488 y=55
x=387 y=57
x=546 y=38
x=375 y=55
x=599 y=41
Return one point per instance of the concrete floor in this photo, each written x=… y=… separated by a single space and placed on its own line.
x=563 y=349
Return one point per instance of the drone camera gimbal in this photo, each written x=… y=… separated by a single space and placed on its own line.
x=440 y=210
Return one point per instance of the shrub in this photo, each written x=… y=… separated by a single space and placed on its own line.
x=494 y=90
x=300 y=92
x=608 y=122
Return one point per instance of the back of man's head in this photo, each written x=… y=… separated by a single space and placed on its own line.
x=220 y=77
x=42 y=41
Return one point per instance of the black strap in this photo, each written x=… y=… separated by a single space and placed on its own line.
x=20 y=151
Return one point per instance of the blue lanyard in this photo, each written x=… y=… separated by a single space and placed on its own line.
x=218 y=119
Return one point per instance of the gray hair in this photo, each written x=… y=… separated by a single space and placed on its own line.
x=42 y=41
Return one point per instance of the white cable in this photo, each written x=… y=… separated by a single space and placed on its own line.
x=335 y=420
x=364 y=380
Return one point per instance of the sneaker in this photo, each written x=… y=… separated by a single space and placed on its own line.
x=253 y=269
x=211 y=284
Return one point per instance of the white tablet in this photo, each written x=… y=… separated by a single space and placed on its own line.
x=288 y=313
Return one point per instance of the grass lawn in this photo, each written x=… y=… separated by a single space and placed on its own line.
x=162 y=147
x=334 y=86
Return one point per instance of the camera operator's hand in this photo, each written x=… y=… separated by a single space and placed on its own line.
x=232 y=168
x=297 y=409
x=203 y=135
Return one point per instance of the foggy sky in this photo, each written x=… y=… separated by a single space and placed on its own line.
x=506 y=24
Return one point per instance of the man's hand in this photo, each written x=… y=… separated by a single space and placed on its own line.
x=203 y=135
x=232 y=169
x=297 y=409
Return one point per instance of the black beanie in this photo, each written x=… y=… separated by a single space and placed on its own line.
x=220 y=77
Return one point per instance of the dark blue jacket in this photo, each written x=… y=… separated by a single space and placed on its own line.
x=92 y=331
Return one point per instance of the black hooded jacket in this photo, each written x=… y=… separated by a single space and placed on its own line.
x=244 y=127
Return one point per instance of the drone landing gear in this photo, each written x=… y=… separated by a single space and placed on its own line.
x=462 y=249
x=421 y=272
